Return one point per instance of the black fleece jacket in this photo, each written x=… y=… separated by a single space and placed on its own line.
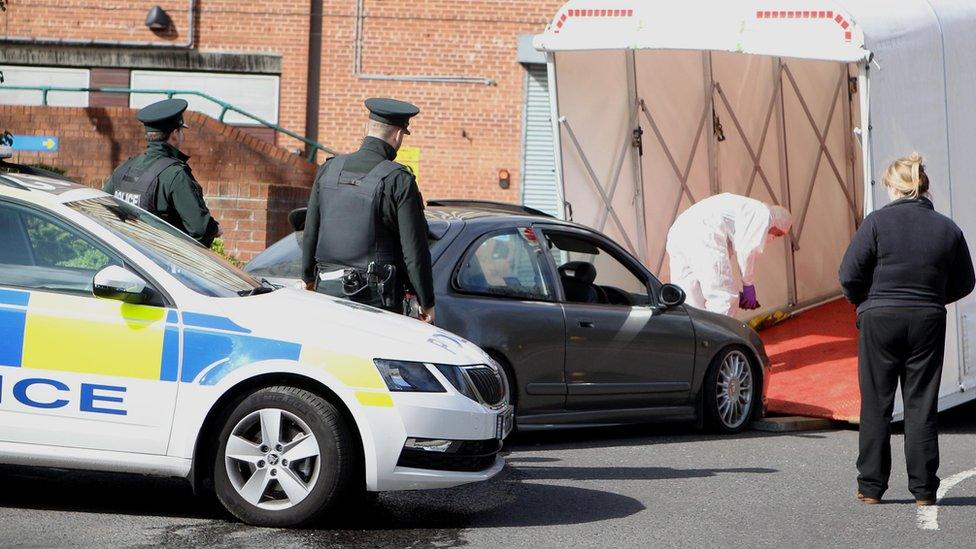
x=907 y=255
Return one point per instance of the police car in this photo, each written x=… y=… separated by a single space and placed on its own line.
x=126 y=346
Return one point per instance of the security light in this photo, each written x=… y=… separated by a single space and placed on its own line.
x=158 y=19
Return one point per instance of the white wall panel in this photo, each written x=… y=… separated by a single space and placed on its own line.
x=254 y=93
x=44 y=76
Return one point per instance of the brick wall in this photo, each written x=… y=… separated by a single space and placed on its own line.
x=249 y=184
x=466 y=132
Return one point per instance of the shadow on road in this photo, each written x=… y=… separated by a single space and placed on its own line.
x=960 y=420
x=958 y=502
x=87 y=492
x=631 y=435
x=631 y=473
x=399 y=518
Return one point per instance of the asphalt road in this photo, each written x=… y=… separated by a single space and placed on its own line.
x=649 y=486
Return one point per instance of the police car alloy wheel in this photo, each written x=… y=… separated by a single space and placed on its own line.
x=285 y=458
x=730 y=391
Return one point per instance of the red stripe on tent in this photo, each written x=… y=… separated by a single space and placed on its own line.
x=564 y=18
x=783 y=14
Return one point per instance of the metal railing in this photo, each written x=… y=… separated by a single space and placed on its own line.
x=225 y=107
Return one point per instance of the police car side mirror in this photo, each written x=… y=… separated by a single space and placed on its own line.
x=114 y=282
x=671 y=296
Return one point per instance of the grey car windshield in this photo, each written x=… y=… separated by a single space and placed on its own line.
x=186 y=260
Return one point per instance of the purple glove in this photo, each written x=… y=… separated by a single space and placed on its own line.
x=747 y=298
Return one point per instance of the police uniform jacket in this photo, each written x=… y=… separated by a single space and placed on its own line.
x=179 y=198
x=401 y=211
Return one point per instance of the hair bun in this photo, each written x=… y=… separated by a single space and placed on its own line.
x=916 y=158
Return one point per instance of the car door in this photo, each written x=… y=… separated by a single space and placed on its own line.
x=76 y=370
x=501 y=298
x=622 y=351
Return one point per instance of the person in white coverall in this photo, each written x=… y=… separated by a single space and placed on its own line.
x=705 y=238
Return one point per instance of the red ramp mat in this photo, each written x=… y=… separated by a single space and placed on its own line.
x=814 y=358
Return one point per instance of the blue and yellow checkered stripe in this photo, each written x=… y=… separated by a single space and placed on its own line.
x=58 y=332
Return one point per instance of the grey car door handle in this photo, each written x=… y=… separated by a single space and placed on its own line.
x=586 y=323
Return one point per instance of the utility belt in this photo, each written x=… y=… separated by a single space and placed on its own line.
x=380 y=277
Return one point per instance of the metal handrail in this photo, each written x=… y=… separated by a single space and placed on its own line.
x=225 y=106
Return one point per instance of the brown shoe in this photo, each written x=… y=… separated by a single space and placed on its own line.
x=924 y=502
x=866 y=500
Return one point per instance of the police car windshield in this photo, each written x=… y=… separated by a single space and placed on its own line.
x=196 y=267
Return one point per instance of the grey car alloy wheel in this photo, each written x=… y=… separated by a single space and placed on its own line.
x=734 y=390
x=272 y=459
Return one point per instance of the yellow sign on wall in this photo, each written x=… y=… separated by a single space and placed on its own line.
x=410 y=157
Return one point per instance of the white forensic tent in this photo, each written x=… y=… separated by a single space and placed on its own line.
x=658 y=104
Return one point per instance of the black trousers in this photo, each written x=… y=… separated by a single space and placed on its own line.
x=903 y=345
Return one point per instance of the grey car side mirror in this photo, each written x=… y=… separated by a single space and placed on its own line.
x=114 y=282
x=671 y=296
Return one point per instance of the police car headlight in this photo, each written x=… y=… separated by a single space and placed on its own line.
x=408 y=376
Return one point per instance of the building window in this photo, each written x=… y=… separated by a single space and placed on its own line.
x=253 y=93
x=44 y=76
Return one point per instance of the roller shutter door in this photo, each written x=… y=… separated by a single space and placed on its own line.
x=538 y=158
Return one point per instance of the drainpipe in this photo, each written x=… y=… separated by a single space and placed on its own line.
x=314 y=86
x=358 y=62
x=109 y=43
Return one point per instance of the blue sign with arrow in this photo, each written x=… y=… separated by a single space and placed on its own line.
x=36 y=143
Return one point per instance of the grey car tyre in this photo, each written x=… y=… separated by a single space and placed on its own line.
x=253 y=478
x=731 y=390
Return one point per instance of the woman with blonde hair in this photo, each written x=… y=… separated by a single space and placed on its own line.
x=904 y=265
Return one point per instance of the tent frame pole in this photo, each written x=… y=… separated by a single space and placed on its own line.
x=824 y=151
x=595 y=180
x=556 y=135
x=631 y=61
x=784 y=178
x=867 y=160
x=682 y=176
x=849 y=147
x=709 y=80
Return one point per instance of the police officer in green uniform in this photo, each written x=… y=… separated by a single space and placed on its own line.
x=159 y=180
x=365 y=230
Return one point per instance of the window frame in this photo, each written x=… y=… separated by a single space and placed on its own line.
x=476 y=244
x=607 y=245
x=162 y=297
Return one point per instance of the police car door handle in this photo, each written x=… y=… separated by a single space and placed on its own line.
x=585 y=323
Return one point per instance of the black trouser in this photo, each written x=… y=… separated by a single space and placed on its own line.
x=907 y=345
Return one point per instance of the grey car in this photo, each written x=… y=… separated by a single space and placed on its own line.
x=585 y=333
